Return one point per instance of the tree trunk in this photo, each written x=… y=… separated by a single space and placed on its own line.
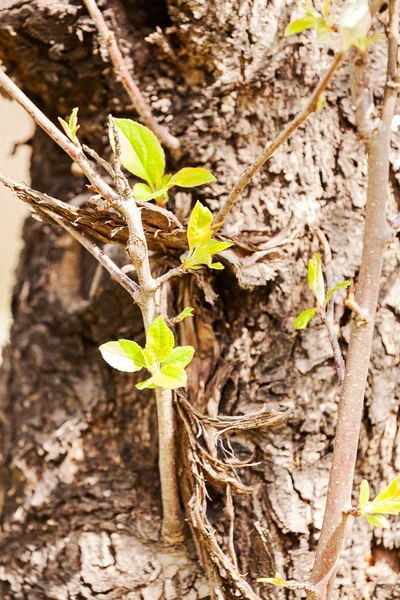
x=79 y=486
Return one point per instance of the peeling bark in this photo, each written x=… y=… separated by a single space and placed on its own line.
x=79 y=486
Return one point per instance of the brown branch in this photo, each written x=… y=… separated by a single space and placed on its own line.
x=248 y=174
x=108 y=40
x=376 y=237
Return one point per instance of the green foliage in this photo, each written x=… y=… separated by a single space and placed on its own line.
x=187 y=312
x=277 y=580
x=304 y=318
x=354 y=23
x=165 y=363
x=72 y=126
x=317 y=286
x=143 y=156
x=201 y=245
x=386 y=502
x=323 y=22
x=316 y=278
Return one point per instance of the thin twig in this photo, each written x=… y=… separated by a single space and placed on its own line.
x=377 y=234
x=141 y=106
x=333 y=339
x=311 y=106
x=175 y=272
x=116 y=273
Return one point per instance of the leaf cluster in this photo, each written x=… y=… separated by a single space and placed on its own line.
x=143 y=156
x=201 y=245
x=353 y=24
x=317 y=286
x=387 y=502
x=165 y=362
x=323 y=22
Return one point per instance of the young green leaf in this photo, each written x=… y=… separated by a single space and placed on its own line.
x=142 y=192
x=116 y=357
x=304 y=318
x=378 y=521
x=364 y=494
x=339 y=286
x=147 y=384
x=387 y=501
x=141 y=152
x=72 y=126
x=134 y=352
x=316 y=278
x=277 y=580
x=187 y=312
x=215 y=247
x=160 y=339
x=299 y=25
x=191 y=177
x=199 y=226
x=181 y=356
x=170 y=377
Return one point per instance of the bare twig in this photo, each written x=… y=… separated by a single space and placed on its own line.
x=116 y=273
x=311 y=106
x=141 y=106
x=333 y=339
x=376 y=237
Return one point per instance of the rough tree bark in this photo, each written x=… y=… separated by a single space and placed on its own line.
x=79 y=486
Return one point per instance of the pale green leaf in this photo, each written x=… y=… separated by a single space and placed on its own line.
x=199 y=226
x=364 y=494
x=133 y=351
x=142 y=192
x=141 y=152
x=378 y=521
x=116 y=357
x=147 y=384
x=303 y=319
x=218 y=266
x=355 y=21
x=170 y=377
x=191 y=177
x=187 y=312
x=277 y=580
x=387 y=501
x=160 y=339
x=181 y=356
x=73 y=121
x=72 y=126
x=215 y=247
x=339 y=286
x=316 y=278
x=298 y=25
